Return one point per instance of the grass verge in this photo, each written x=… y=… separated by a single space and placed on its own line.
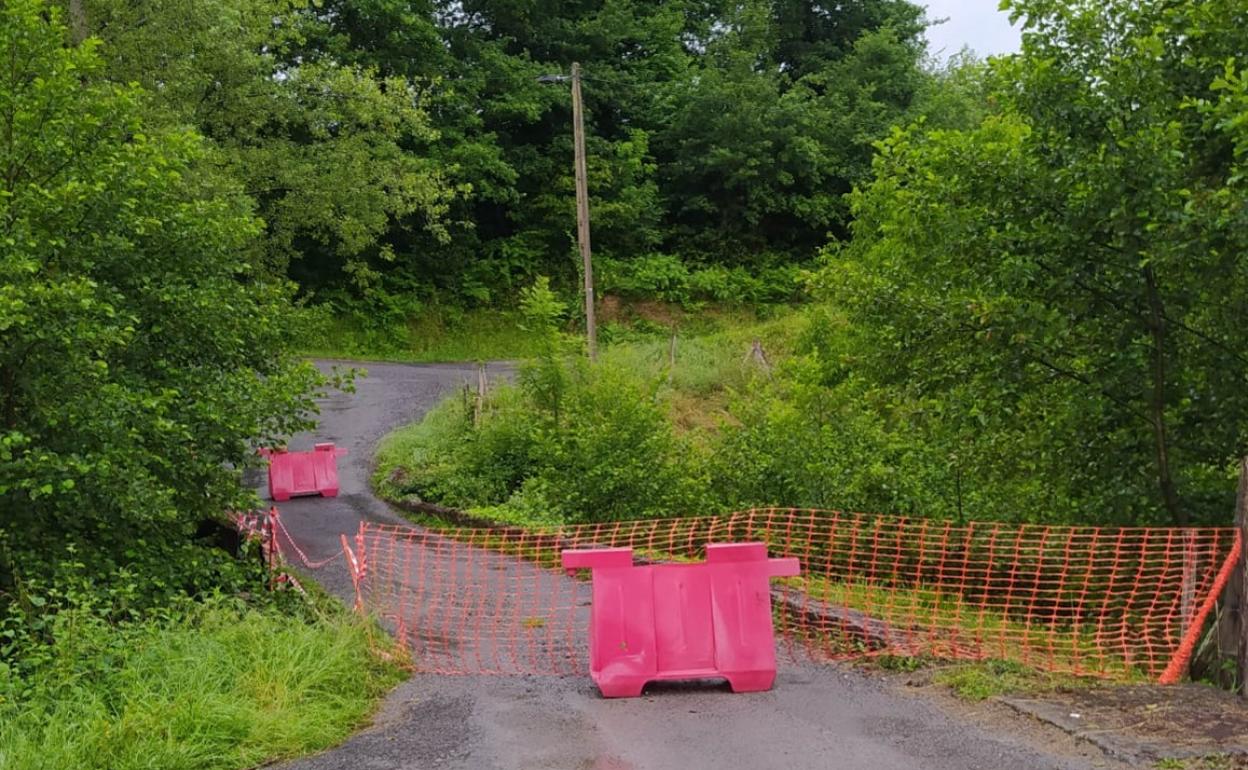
x=639 y=331
x=224 y=687
x=1211 y=762
x=991 y=678
x=479 y=335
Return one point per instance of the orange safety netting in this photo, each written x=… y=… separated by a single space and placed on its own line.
x=1083 y=600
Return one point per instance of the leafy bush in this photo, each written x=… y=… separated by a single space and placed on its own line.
x=444 y=458
x=143 y=352
x=568 y=442
x=667 y=278
x=613 y=454
x=602 y=450
x=799 y=441
x=653 y=276
x=739 y=286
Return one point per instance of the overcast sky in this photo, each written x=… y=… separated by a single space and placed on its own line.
x=973 y=23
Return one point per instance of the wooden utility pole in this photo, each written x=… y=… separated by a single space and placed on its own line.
x=582 y=210
x=1233 y=623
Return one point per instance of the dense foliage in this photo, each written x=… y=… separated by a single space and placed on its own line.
x=143 y=352
x=1034 y=314
x=404 y=152
x=1063 y=285
x=332 y=153
x=566 y=443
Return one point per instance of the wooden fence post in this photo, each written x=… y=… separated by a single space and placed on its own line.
x=482 y=390
x=1233 y=626
x=671 y=360
x=1187 y=598
x=758 y=357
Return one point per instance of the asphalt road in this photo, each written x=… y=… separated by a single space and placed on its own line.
x=816 y=716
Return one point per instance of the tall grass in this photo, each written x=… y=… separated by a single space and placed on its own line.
x=479 y=335
x=707 y=363
x=449 y=334
x=223 y=688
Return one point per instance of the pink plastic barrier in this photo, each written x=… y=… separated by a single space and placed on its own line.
x=303 y=473
x=681 y=621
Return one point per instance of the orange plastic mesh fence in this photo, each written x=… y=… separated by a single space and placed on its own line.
x=1105 y=602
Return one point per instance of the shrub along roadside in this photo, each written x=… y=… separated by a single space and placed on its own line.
x=583 y=445
x=144 y=347
x=632 y=437
x=668 y=278
x=567 y=443
x=636 y=437
x=219 y=685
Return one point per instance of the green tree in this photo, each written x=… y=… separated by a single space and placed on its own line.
x=955 y=93
x=777 y=125
x=334 y=152
x=142 y=354
x=715 y=132
x=1067 y=279
x=811 y=37
x=401 y=152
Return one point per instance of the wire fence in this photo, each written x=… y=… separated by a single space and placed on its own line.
x=1109 y=602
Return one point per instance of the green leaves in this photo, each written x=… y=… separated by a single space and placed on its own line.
x=324 y=147
x=569 y=443
x=1064 y=277
x=141 y=353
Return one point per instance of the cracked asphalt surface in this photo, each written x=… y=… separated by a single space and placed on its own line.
x=817 y=716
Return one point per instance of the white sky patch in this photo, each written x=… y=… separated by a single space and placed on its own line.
x=976 y=24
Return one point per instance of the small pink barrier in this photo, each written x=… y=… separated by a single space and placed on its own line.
x=303 y=473
x=681 y=621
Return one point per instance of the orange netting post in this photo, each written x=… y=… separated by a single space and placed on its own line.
x=354 y=569
x=1183 y=655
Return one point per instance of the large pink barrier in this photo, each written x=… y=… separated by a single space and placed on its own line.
x=303 y=473
x=681 y=621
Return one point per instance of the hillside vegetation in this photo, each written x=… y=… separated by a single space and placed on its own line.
x=1010 y=289
x=406 y=159
x=1033 y=318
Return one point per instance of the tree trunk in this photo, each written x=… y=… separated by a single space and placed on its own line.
x=78 y=21
x=1157 y=401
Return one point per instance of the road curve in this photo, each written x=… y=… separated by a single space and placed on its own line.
x=823 y=717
